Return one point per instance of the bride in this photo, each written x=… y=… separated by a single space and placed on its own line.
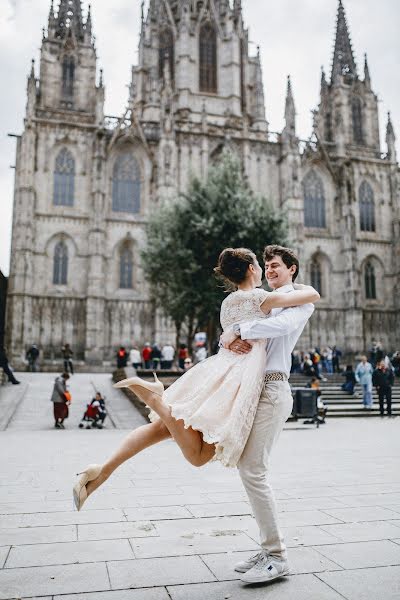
x=209 y=411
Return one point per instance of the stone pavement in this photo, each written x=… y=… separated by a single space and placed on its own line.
x=161 y=529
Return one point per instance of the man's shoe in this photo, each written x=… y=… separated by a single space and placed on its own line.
x=15 y=382
x=266 y=569
x=246 y=565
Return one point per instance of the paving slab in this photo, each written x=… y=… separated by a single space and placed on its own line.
x=356 y=515
x=365 y=584
x=157 y=513
x=220 y=509
x=215 y=525
x=363 y=532
x=62 y=518
x=37 y=535
x=59 y=579
x=158 y=572
x=297 y=587
x=109 y=531
x=360 y=555
x=4 y=550
x=69 y=553
x=143 y=594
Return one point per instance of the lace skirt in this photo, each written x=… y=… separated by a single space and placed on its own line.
x=219 y=398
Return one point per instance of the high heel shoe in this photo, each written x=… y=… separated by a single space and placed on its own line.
x=80 y=494
x=156 y=387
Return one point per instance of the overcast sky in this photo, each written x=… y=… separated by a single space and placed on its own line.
x=295 y=37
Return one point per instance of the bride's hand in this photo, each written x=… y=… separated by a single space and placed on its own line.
x=227 y=338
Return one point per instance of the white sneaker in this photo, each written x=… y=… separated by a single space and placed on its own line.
x=267 y=568
x=246 y=565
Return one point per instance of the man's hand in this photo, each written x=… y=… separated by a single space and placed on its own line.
x=240 y=346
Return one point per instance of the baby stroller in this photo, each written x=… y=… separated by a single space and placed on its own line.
x=94 y=414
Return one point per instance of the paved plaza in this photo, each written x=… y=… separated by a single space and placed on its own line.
x=161 y=529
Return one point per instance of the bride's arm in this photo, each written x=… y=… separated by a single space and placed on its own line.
x=303 y=294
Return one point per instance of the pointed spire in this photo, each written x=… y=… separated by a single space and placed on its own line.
x=343 y=58
x=101 y=78
x=32 y=73
x=324 y=84
x=290 y=111
x=88 y=24
x=367 y=78
x=390 y=140
x=69 y=18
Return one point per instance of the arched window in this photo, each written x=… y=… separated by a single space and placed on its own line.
x=328 y=127
x=208 y=59
x=64 y=179
x=316 y=276
x=367 y=207
x=126 y=268
x=68 y=75
x=126 y=184
x=60 y=264
x=166 y=52
x=356 y=111
x=370 y=282
x=314 y=201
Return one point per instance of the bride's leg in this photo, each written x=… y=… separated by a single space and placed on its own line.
x=190 y=441
x=134 y=442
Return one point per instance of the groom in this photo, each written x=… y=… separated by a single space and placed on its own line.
x=274 y=408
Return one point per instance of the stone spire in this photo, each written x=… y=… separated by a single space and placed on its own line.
x=290 y=110
x=88 y=24
x=51 y=26
x=367 y=78
x=390 y=140
x=343 y=58
x=259 y=103
x=69 y=19
x=324 y=84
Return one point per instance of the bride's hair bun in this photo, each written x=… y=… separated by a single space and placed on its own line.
x=233 y=264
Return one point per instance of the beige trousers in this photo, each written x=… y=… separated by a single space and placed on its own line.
x=273 y=411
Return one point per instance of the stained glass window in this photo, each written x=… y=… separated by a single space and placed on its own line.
x=356 y=109
x=314 y=201
x=68 y=75
x=60 y=264
x=64 y=179
x=208 y=59
x=126 y=184
x=370 y=282
x=367 y=207
x=126 y=268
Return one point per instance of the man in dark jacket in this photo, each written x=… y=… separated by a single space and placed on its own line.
x=4 y=365
x=383 y=379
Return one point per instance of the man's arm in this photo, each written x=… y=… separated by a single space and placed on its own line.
x=287 y=321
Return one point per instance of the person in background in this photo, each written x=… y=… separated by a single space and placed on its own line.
x=327 y=359
x=134 y=358
x=146 y=354
x=308 y=367
x=6 y=367
x=156 y=357
x=200 y=353
x=167 y=356
x=183 y=354
x=350 y=382
x=32 y=356
x=60 y=400
x=67 y=354
x=363 y=373
x=296 y=362
x=122 y=358
x=187 y=363
x=383 y=380
x=396 y=363
x=336 y=354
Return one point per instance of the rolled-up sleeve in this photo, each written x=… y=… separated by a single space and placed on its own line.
x=287 y=321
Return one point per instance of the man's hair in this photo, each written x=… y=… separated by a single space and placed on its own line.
x=287 y=255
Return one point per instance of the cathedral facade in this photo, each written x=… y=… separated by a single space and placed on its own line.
x=86 y=183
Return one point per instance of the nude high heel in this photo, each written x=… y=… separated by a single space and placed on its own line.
x=156 y=387
x=80 y=494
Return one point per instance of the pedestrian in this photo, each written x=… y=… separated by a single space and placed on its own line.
x=396 y=363
x=167 y=356
x=363 y=374
x=383 y=380
x=146 y=354
x=122 y=358
x=32 y=356
x=183 y=354
x=135 y=358
x=156 y=357
x=200 y=353
x=61 y=400
x=327 y=354
x=296 y=362
x=350 y=382
x=6 y=367
x=67 y=354
x=308 y=367
x=336 y=354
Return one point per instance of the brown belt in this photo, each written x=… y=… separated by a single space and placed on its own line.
x=275 y=376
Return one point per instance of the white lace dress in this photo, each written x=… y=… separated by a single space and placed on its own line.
x=219 y=396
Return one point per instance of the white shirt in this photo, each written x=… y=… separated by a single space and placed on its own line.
x=134 y=356
x=282 y=329
x=168 y=352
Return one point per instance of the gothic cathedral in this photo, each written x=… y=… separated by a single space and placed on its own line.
x=85 y=182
